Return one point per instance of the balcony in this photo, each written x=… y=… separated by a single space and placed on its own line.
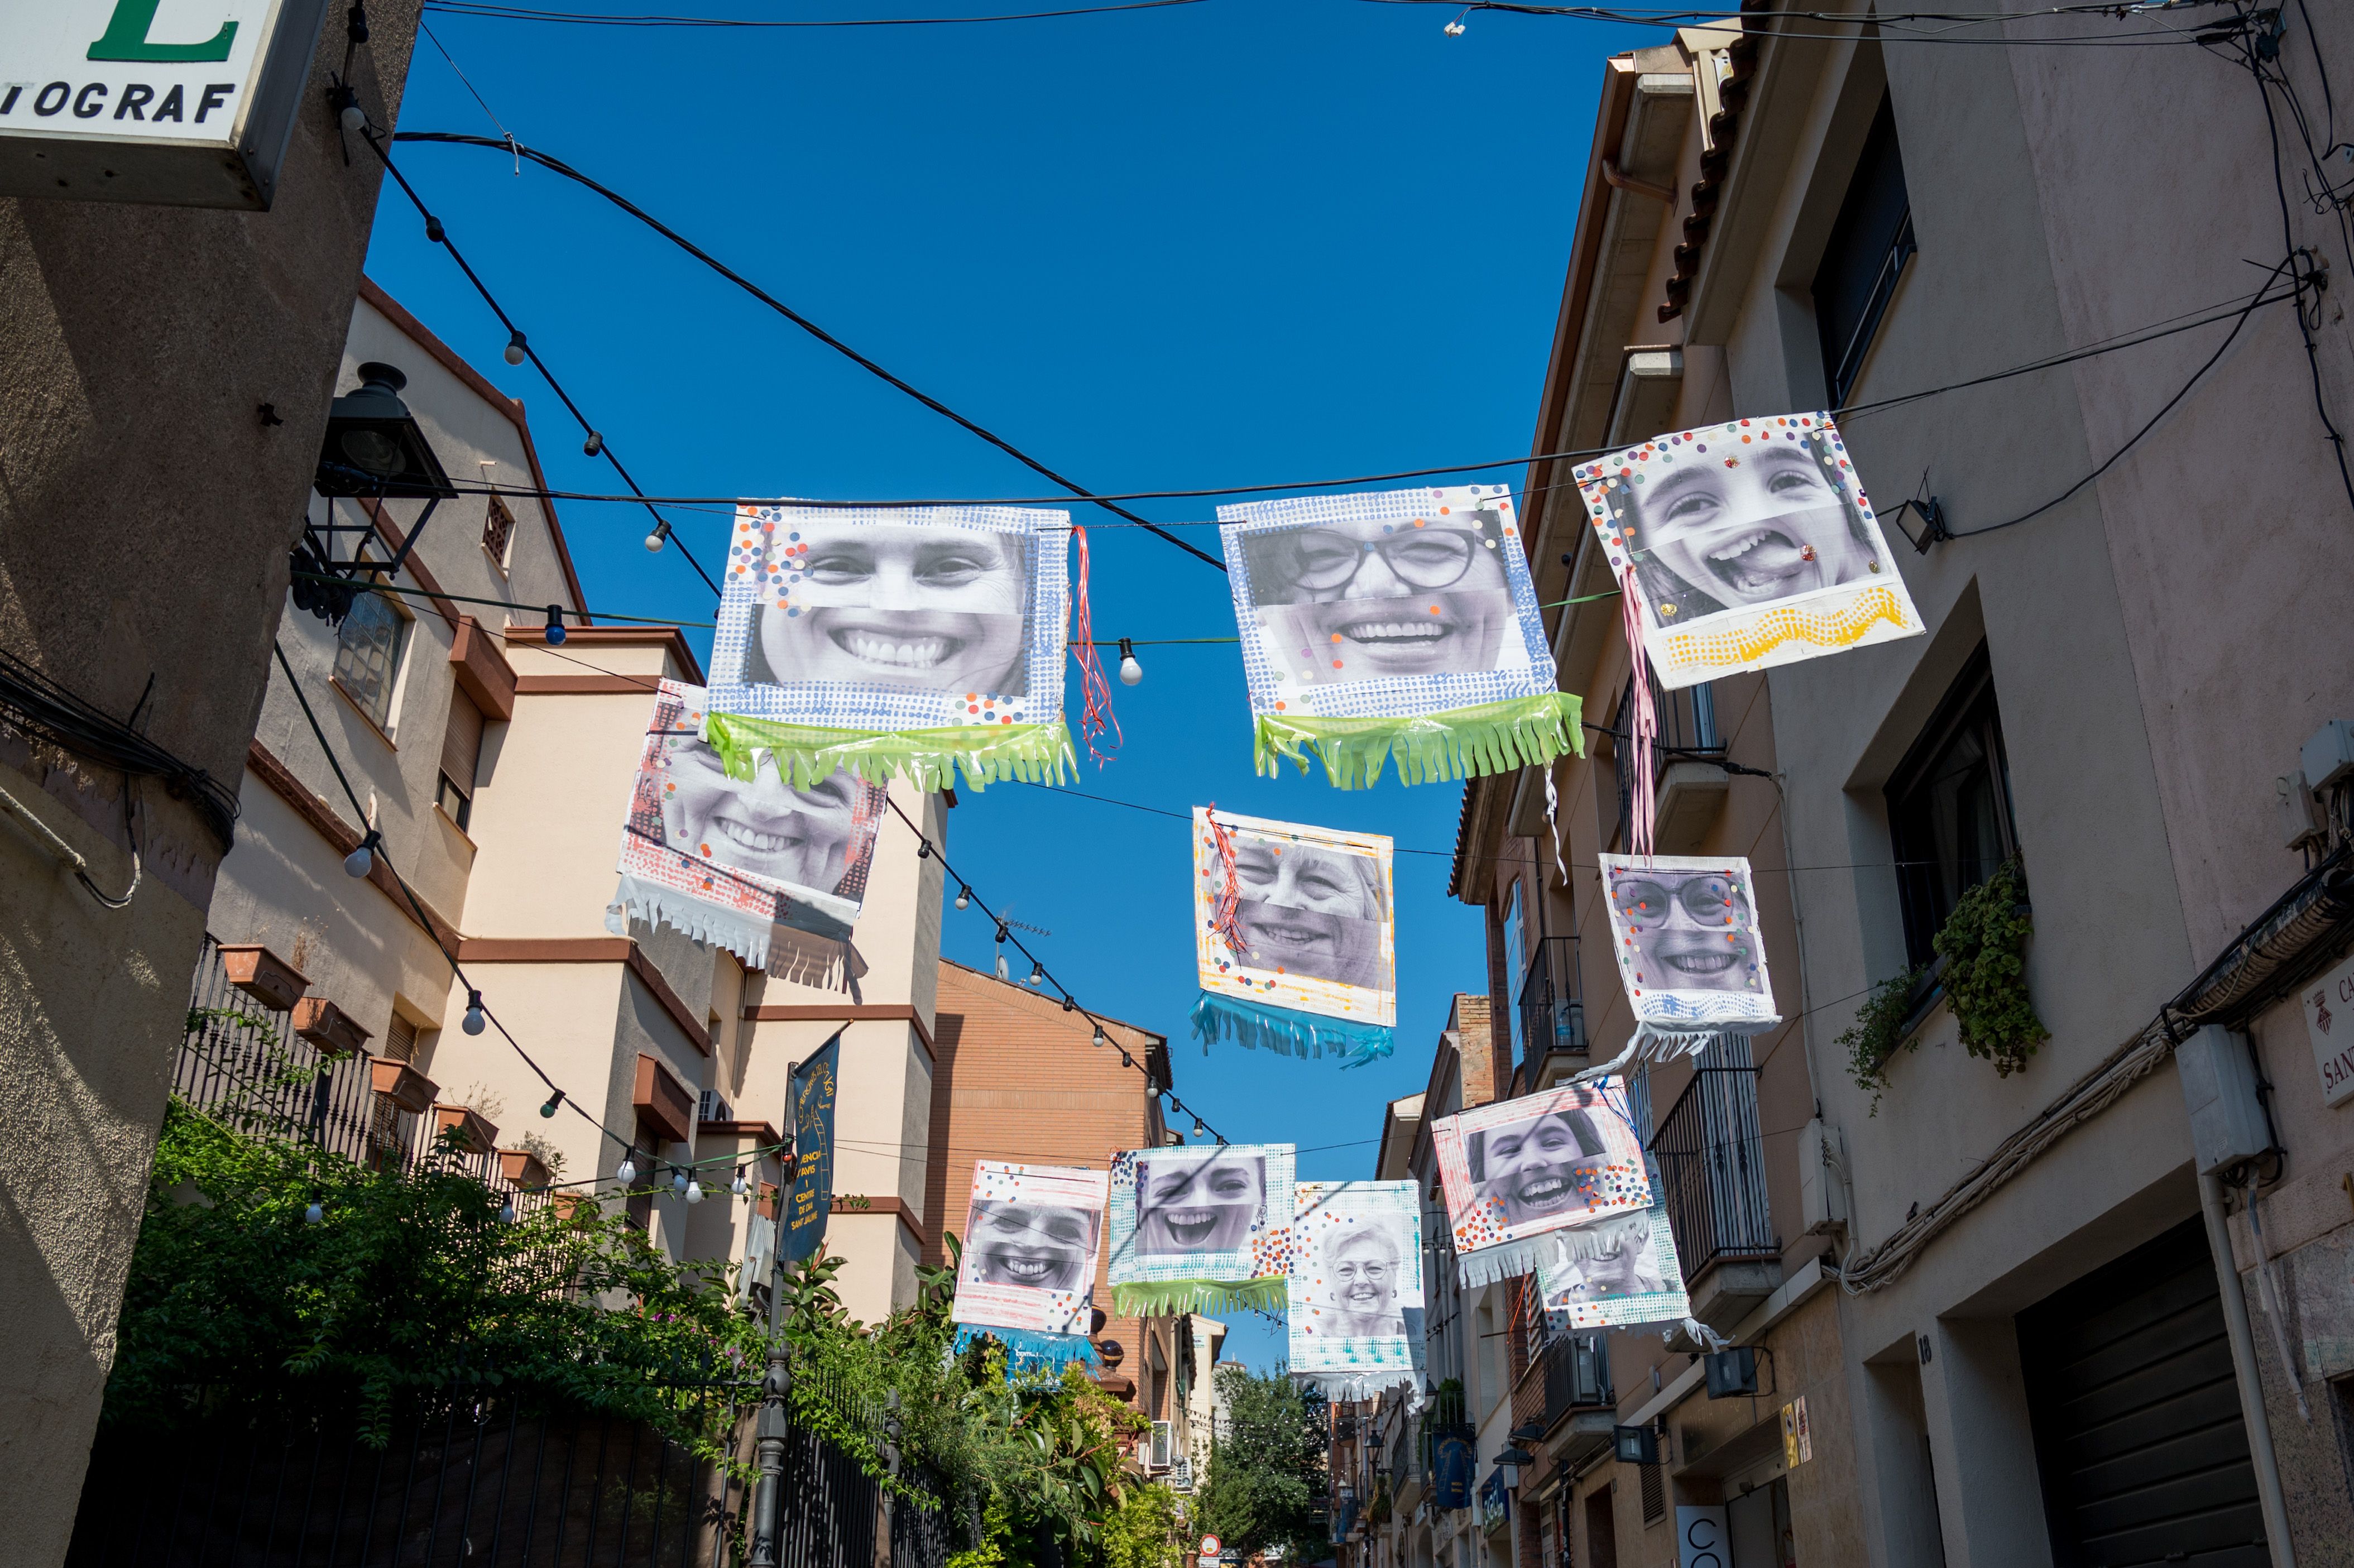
x=1553 y=1015
x=1566 y=1391
x=1688 y=787
x=1711 y=1157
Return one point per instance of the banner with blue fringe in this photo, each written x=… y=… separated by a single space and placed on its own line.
x=1259 y=1027
x=1029 y=1349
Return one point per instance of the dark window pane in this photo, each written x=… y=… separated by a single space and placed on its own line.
x=1869 y=243
x=1949 y=807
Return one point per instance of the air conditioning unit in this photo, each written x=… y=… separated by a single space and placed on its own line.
x=713 y=1108
x=1160 y=1446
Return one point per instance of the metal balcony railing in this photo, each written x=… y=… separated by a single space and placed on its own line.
x=1577 y=1376
x=1553 y=1015
x=1710 y=1156
x=1687 y=732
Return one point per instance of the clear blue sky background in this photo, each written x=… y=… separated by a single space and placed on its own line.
x=1235 y=242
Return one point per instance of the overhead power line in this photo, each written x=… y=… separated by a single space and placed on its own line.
x=607 y=19
x=558 y=165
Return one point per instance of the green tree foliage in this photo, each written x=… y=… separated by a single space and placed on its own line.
x=1266 y=1474
x=410 y=1288
x=1984 y=944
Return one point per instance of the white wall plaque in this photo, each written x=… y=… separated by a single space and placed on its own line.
x=2328 y=1003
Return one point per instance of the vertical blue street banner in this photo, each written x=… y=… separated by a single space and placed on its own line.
x=809 y=1199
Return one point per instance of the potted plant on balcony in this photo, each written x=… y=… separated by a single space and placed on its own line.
x=262 y=975
x=407 y=1087
x=523 y=1168
x=476 y=1135
x=329 y=1027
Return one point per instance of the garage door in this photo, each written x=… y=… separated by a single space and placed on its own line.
x=2136 y=1416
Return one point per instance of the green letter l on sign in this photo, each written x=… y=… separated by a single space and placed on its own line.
x=126 y=37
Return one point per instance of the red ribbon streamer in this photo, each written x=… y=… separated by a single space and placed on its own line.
x=1644 y=807
x=1226 y=917
x=1095 y=692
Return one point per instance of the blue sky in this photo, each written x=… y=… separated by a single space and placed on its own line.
x=1236 y=242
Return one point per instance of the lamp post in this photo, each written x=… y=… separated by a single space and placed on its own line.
x=374 y=448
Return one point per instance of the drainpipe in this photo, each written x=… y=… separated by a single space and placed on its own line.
x=2244 y=1369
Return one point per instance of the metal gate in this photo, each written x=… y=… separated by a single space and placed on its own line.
x=2136 y=1415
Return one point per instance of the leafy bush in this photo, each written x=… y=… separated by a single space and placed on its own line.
x=1875 y=1036
x=409 y=1290
x=1983 y=943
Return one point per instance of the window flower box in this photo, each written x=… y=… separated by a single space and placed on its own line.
x=522 y=1168
x=475 y=1135
x=409 y=1089
x=263 y=975
x=329 y=1027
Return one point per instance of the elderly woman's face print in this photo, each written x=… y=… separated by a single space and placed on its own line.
x=1363 y=599
x=1688 y=930
x=1360 y=1281
x=1766 y=526
x=804 y=837
x=1035 y=1245
x=1310 y=911
x=927 y=609
x=1536 y=1170
x=1205 y=1206
x=1615 y=1256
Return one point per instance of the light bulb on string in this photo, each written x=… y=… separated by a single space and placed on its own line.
x=555 y=626
x=553 y=1100
x=628 y=1172
x=515 y=351
x=507 y=1212
x=475 y=1022
x=964 y=897
x=1098 y=1041
x=1130 y=672
x=361 y=861
x=739 y=1186
x=1038 y=973
x=1125 y=1059
x=694 y=1192
x=678 y=1183
x=654 y=539
x=316 y=1213
x=1198 y=1128
x=593 y=445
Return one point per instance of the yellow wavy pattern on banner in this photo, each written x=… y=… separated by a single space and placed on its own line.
x=1840 y=628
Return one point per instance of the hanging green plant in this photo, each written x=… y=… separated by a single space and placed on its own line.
x=1877 y=1032
x=1983 y=943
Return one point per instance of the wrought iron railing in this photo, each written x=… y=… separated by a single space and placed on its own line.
x=1552 y=1014
x=1710 y=1156
x=1577 y=1376
x=1687 y=732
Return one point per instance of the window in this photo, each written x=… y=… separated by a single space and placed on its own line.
x=1871 y=241
x=1515 y=961
x=1655 y=1494
x=368 y=655
x=1949 y=807
x=1685 y=723
x=461 y=753
x=400 y=1039
x=498 y=530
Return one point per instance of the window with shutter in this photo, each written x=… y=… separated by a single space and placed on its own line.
x=461 y=753
x=498 y=528
x=400 y=1039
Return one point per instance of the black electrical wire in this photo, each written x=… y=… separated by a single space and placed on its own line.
x=474 y=996
x=1038 y=965
x=438 y=234
x=1889 y=27
x=596 y=18
x=556 y=166
x=31 y=702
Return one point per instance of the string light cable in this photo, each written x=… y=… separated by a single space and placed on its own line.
x=1900 y=27
x=556 y=166
x=371 y=846
x=606 y=19
x=519 y=348
x=1039 y=975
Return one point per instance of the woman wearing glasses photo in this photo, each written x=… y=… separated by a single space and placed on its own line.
x=1364 y=600
x=1686 y=930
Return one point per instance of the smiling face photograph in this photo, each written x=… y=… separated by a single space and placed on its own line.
x=1610 y=1257
x=918 y=607
x=1036 y=1246
x=818 y=837
x=1684 y=930
x=1311 y=910
x=1539 y=1169
x=1364 y=1265
x=1363 y=598
x=1197 y=1202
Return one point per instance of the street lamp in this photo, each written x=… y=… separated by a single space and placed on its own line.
x=374 y=446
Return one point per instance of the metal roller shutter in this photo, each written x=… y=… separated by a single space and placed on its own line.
x=2136 y=1416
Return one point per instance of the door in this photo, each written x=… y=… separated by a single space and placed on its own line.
x=2136 y=1415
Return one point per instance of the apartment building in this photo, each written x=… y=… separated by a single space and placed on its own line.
x=2043 y=1307
x=1020 y=1079
x=494 y=766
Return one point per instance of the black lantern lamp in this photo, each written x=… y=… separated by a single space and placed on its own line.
x=374 y=446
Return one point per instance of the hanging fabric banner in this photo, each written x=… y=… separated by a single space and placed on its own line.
x=894 y=643
x=1201 y=1229
x=1753 y=545
x=1613 y=1272
x=1690 y=952
x=727 y=860
x=809 y=1101
x=1295 y=935
x=1396 y=623
x=1027 y=1275
x=1515 y=1170
x=1355 y=1294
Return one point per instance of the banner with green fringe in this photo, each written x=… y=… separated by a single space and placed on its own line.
x=1166 y=1297
x=1428 y=748
x=928 y=759
x=1393 y=624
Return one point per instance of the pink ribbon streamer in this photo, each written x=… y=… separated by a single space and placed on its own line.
x=1644 y=804
x=1227 y=917
x=1095 y=714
